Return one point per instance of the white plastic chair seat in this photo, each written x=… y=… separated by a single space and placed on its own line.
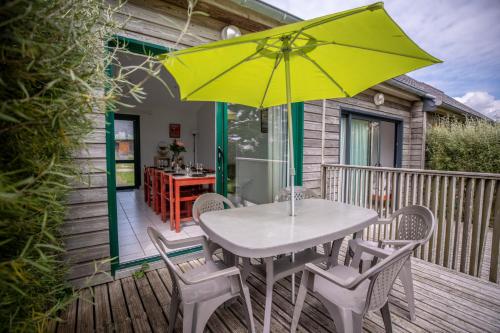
x=209 y=289
x=353 y=300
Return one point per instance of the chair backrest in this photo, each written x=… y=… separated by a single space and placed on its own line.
x=300 y=193
x=209 y=202
x=414 y=223
x=161 y=244
x=383 y=275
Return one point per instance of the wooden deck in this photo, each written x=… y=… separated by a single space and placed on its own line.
x=446 y=301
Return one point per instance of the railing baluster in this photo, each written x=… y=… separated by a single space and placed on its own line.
x=434 y=208
x=450 y=221
x=459 y=224
x=495 y=241
x=487 y=203
x=476 y=225
x=441 y=219
x=464 y=250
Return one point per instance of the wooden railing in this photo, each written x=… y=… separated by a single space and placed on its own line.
x=466 y=206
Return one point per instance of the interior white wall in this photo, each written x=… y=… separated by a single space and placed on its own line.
x=206 y=139
x=159 y=109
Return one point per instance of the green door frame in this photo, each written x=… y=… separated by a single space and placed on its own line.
x=140 y=47
x=222 y=144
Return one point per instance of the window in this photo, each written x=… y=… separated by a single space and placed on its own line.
x=369 y=141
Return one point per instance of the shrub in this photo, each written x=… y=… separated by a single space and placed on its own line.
x=52 y=63
x=473 y=145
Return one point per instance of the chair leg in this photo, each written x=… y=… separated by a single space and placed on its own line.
x=407 y=280
x=189 y=317
x=172 y=316
x=269 y=294
x=344 y=319
x=247 y=306
x=299 y=302
x=386 y=316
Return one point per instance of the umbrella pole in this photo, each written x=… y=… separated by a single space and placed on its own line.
x=290 y=132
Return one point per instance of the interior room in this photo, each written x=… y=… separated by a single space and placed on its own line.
x=144 y=133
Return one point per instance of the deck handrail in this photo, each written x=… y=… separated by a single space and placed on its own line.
x=466 y=206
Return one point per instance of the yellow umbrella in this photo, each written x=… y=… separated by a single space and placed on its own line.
x=337 y=55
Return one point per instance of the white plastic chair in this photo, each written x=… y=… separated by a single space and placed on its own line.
x=210 y=202
x=203 y=289
x=349 y=295
x=300 y=193
x=413 y=224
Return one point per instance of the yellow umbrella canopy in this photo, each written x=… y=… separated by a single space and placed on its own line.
x=337 y=55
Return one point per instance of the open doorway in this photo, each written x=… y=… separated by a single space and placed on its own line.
x=142 y=133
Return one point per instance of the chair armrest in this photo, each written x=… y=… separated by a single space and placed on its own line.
x=215 y=275
x=327 y=275
x=374 y=251
x=385 y=221
x=395 y=243
x=178 y=243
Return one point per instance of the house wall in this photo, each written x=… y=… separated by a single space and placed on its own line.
x=409 y=112
x=86 y=231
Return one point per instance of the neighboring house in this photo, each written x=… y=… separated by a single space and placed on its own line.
x=356 y=131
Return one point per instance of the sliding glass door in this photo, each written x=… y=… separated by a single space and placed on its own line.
x=369 y=141
x=253 y=152
x=127 y=151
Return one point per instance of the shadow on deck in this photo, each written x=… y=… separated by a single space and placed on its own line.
x=446 y=301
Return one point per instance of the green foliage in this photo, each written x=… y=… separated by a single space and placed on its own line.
x=52 y=63
x=473 y=145
x=141 y=272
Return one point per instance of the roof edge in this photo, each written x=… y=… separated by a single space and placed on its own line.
x=268 y=10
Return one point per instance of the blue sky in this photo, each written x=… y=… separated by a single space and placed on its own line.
x=463 y=33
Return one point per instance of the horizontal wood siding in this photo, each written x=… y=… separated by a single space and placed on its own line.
x=410 y=113
x=86 y=230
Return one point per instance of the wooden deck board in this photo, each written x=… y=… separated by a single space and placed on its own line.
x=446 y=301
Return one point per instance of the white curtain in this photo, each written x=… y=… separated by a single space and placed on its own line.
x=277 y=149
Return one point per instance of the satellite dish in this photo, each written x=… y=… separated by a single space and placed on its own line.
x=229 y=32
x=378 y=99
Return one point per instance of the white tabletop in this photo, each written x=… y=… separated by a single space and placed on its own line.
x=268 y=230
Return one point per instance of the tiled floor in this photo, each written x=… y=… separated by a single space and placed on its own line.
x=134 y=216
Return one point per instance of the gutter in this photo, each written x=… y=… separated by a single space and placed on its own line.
x=430 y=101
x=268 y=10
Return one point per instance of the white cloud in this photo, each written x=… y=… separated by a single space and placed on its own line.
x=483 y=102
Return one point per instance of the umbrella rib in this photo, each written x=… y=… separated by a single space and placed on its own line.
x=222 y=74
x=342 y=15
x=276 y=63
x=366 y=49
x=324 y=73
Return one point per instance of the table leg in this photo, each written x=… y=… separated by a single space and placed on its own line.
x=177 y=208
x=269 y=293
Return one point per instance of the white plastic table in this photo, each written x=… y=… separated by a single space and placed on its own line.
x=266 y=231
